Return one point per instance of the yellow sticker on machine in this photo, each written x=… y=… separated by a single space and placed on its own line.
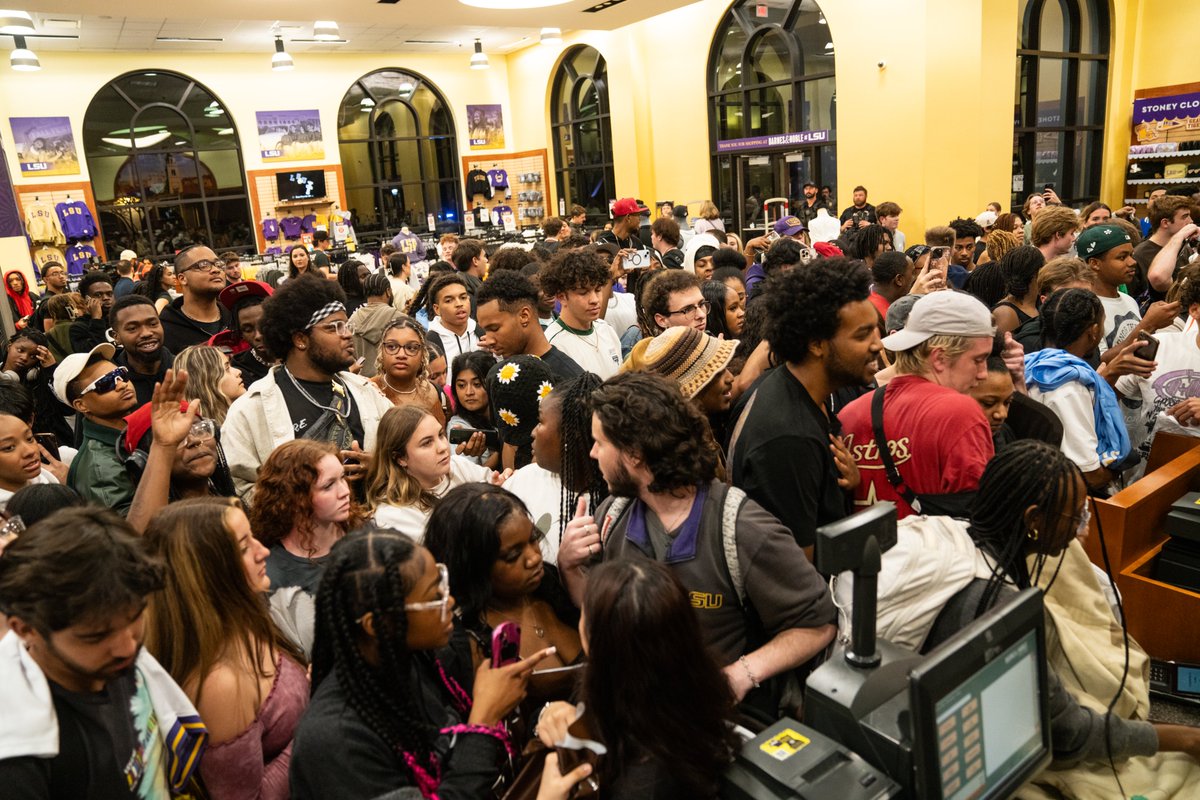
x=784 y=744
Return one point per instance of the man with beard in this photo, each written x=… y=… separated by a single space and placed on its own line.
x=786 y=450
x=309 y=395
x=97 y=293
x=139 y=332
x=806 y=212
x=244 y=300
x=92 y=384
x=195 y=317
x=55 y=277
x=86 y=707
x=660 y=462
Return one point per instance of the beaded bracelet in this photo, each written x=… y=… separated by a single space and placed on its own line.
x=746 y=666
x=486 y=730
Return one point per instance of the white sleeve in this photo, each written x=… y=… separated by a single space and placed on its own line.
x=1074 y=406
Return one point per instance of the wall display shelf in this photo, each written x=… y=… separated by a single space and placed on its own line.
x=1173 y=134
x=265 y=202
x=55 y=193
x=530 y=200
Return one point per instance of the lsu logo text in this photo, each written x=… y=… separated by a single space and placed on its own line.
x=706 y=600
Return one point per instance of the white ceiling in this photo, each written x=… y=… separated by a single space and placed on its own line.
x=429 y=26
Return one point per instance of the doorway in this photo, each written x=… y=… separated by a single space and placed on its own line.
x=767 y=176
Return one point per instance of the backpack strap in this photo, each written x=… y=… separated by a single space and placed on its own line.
x=885 y=454
x=737 y=433
x=734 y=498
x=614 y=512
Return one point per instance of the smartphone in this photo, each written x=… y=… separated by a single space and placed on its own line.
x=939 y=253
x=1049 y=187
x=1148 y=351
x=638 y=259
x=773 y=237
x=506 y=644
x=362 y=360
x=50 y=442
x=490 y=435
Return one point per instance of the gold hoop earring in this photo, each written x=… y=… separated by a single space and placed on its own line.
x=1033 y=534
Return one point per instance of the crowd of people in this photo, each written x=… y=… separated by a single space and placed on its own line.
x=272 y=537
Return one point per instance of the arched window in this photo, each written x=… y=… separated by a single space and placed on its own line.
x=583 y=155
x=770 y=75
x=1062 y=82
x=166 y=166
x=399 y=155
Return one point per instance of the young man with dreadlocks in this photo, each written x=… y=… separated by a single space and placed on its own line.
x=389 y=717
x=943 y=574
x=310 y=395
x=562 y=472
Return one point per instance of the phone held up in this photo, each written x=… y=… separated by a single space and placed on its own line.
x=506 y=644
x=1149 y=350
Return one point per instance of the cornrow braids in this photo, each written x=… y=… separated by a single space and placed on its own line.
x=1066 y=314
x=1023 y=474
x=580 y=472
x=366 y=574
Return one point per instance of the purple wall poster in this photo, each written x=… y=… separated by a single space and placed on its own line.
x=486 y=127
x=1173 y=118
x=290 y=136
x=44 y=145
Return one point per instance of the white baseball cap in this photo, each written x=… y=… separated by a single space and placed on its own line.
x=946 y=313
x=73 y=365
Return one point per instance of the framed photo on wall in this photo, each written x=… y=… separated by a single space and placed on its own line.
x=44 y=145
x=486 y=124
x=290 y=136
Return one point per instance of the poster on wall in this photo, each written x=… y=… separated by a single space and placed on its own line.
x=487 y=127
x=45 y=145
x=290 y=136
x=1174 y=118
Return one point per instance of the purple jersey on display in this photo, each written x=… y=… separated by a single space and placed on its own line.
x=411 y=245
x=78 y=258
x=498 y=178
x=270 y=228
x=291 y=227
x=498 y=213
x=308 y=222
x=76 y=220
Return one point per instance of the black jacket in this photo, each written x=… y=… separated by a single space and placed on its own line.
x=87 y=332
x=180 y=330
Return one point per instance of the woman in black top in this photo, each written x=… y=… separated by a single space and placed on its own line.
x=1019 y=268
x=667 y=728
x=387 y=712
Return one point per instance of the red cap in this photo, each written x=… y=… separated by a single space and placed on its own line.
x=227 y=343
x=236 y=291
x=827 y=250
x=626 y=206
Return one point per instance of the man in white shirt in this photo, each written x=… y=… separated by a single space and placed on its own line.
x=1108 y=251
x=452 y=322
x=577 y=280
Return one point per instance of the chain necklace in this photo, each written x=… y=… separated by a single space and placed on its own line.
x=399 y=391
x=336 y=386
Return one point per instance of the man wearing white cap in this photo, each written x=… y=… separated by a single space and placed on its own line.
x=921 y=441
x=124 y=284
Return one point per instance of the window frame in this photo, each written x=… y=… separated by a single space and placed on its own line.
x=569 y=177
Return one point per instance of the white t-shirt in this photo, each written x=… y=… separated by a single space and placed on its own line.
x=402 y=294
x=621 y=313
x=410 y=520
x=540 y=491
x=598 y=351
x=1121 y=316
x=44 y=477
x=453 y=344
x=1074 y=404
x=1175 y=379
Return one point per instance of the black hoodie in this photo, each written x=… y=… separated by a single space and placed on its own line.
x=180 y=330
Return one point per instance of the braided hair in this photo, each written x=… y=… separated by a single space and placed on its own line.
x=1067 y=314
x=579 y=471
x=372 y=571
x=1023 y=474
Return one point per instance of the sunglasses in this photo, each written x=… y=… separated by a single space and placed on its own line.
x=107 y=382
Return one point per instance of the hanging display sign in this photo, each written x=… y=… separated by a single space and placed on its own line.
x=44 y=145
x=773 y=140
x=1174 y=117
x=486 y=127
x=290 y=136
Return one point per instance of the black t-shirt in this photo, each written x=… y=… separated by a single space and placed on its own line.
x=562 y=365
x=304 y=413
x=252 y=369
x=608 y=237
x=110 y=748
x=868 y=209
x=781 y=457
x=143 y=384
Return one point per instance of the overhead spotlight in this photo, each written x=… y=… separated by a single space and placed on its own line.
x=551 y=36
x=325 y=30
x=18 y=22
x=479 y=59
x=280 y=60
x=23 y=59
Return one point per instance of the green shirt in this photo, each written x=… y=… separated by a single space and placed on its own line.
x=97 y=473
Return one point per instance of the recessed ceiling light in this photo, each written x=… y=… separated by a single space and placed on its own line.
x=509 y=5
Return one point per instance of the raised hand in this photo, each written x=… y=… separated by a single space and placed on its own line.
x=170 y=424
x=581 y=538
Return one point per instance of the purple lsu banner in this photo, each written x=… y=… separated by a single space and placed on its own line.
x=773 y=140
x=1177 y=106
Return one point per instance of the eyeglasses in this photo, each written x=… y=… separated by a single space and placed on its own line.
x=693 y=310
x=201 y=431
x=392 y=348
x=1084 y=519
x=106 y=383
x=204 y=264
x=341 y=327
x=443 y=593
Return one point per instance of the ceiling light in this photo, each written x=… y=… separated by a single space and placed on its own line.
x=224 y=131
x=281 y=61
x=139 y=141
x=551 y=36
x=23 y=59
x=325 y=30
x=405 y=89
x=15 y=22
x=507 y=5
x=821 y=20
x=479 y=59
x=829 y=45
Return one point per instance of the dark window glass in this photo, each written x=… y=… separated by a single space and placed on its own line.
x=582 y=134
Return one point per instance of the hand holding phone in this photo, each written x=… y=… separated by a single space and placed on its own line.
x=506 y=644
x=1149 y=350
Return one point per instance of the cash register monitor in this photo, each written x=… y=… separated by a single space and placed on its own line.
x=981 y=721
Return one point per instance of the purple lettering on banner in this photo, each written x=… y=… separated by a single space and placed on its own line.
x=774 y=140
x=1176 y=106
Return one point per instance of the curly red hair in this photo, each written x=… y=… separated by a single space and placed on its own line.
x=283 y=492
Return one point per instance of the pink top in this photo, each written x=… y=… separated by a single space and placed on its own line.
x=254 y=764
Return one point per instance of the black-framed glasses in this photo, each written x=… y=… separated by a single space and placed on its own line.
x=694 y=310
x=412 y=348
x=204 y=264
x=107 y=382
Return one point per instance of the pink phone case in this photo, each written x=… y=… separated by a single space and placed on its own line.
x=506 y=644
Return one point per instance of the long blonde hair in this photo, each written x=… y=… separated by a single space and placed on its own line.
x=205 y=367
x=387 y=482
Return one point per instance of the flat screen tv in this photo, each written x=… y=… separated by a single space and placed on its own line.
x=301 y=184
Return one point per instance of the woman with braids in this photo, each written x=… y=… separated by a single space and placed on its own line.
x=563 y=473
x=350 y=277
x=666 y=738
x=210 y=629
x=484 y=536
x=1019 y=267
x=1059 y=377
x=159 y=285
x=402 y=367
x=868 y=243
x=388 y=717
x=421 y=307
